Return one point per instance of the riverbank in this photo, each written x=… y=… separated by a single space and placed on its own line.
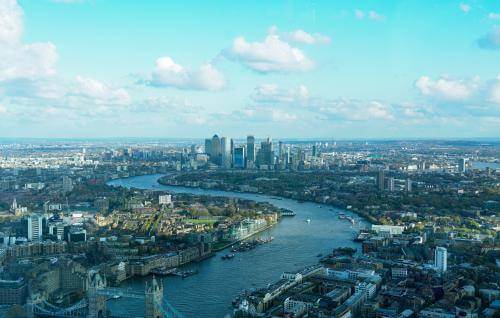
x=244 y=238
x=296 y=245
x=366 y=217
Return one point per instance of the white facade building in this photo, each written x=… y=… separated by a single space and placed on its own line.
x=34 y=223
x=165 y=199
x=440 y=259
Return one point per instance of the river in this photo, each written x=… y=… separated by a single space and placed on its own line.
x=296 y=244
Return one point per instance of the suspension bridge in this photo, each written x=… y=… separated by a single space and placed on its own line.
x=94 y=305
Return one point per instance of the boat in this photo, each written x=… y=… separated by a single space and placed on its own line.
x=162 y=271
x=308 y=220
x=117 y=296
x=183 y=274
x=228 y=256
x=287 y=213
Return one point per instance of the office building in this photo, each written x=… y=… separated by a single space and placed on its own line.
x=390 y=184
x=67 y=184
x=266 y=154
x=208 y=146
x=13 y=291
x=239 y=157
x=215 y=154
x=250 y=149
x=225 y=150
x=34 y=227
x=440 y=259
x=408 y=185
x=462 y=165
x=77 y=235
x=381 y=180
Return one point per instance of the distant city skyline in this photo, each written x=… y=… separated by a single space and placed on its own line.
x=327 y=70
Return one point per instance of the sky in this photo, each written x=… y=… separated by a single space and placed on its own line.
x=289 y=69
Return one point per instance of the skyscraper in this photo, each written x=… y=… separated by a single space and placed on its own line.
x=225 y=150
x=408 y=185
x=281 y=151
x=239 y=157
x=208 y=146
x=67 y=184
x=250 y=148
x=215 y=153
x=381 y=180
x=34 y=227
x=462 y=165
x=440 y=259
x=266 y=153
x=390 y=184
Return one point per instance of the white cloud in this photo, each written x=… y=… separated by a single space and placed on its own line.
x=372 y=15
x=11 y=24
x=355 y=110
x=169 y=73
x=494 y=16
x=491 y=40
x=165 y=104
x=375 y=16
x=464 y=7
x=272 y=93
x=359 y=14
x=301 y=36
x=19 y=60
x=445 y=88
x=68 y=1
x=261 y=114
x=493 y=90
x=101 y=93
x=271 y=55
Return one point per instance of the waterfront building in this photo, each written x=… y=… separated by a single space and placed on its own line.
x=388 y=230
x=441 y=259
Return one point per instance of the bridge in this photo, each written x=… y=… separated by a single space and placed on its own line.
x=94 y=305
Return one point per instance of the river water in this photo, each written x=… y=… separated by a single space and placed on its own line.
x=296 y=244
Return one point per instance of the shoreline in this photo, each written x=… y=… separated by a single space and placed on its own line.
x=275 y=196
x=267 y=227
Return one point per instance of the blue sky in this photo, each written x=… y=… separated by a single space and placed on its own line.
x=336 y=69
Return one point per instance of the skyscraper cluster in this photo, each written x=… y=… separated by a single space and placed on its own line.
x=223 y=151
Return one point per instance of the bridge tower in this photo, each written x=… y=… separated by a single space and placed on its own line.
x=154 y=299
x=30 y=311
x=97 y=303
